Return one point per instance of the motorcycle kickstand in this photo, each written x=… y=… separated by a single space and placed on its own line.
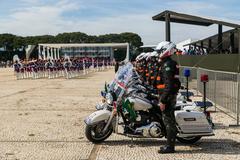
x=131 y=145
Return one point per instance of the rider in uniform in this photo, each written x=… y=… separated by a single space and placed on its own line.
x=170 y=85
x=140 y=64
x=153 y=69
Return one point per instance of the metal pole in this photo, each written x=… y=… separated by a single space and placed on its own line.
x=84 y=68
x=168 y=30
x=197 y=80
x=48 y=52
x=44 y=53
x=187 y=90
x=39 y=52
x=204 y=96
x=220 y=46
x=215 y=91
x=238 y=83
x=58 y=56
x=238 y=98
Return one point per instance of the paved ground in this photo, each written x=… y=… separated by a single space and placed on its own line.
x=43 y=119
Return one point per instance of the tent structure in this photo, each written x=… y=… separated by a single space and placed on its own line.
x=171 y=16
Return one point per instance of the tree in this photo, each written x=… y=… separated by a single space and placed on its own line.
x=13 y=43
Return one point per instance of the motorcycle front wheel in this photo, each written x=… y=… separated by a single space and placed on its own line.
x=94 y=132
x=188 y=140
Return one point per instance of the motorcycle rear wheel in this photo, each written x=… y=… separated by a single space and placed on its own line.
x=189 y=140
x=94 y=132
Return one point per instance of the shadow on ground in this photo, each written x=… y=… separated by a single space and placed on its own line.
x=207 y=146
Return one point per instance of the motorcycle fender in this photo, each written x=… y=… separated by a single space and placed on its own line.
x=97 y=116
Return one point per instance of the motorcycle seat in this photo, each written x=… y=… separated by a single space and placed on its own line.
x=201 y=104
x=184 y=93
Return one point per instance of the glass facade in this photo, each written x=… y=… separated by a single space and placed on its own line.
x=87 y=51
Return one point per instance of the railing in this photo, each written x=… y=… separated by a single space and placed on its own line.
x=223 y=88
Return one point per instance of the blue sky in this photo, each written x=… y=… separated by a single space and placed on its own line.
x=37 y=17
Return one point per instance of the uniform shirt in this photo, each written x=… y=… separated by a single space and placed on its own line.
x=170 y=73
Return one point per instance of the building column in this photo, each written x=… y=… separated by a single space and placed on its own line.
x=195 y=46
x=201 y=44
x=111 y=54
x=239 y=42
x=202 y=47
x=232 y=46
x=209 y=45
x=168 y=27
x=52 y=50
x=220 y=45
x=55 y=53
x=128 y=52
x=39 y=52
x=48 y=54
x=58 y=53
x=44 y=53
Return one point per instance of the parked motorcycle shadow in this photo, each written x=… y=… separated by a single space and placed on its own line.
x=215 y=146
x=135 y=143
x=220 y=126
x=207 y=146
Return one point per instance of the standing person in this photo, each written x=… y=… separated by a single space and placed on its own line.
x=116 y=66
x=153 y=68
x=49 y=67
x=67 y=67
x=17 y=67
x=170 y=74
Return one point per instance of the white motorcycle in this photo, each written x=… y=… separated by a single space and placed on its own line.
x=135 y=116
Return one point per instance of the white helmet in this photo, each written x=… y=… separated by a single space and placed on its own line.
x=147 y=55
x=165 y=49
x=139 y=57
x=154 y=54
x=16 y=58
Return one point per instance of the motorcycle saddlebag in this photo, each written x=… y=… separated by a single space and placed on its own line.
x=190 y=122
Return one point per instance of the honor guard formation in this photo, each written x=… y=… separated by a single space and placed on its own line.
x=65 y=67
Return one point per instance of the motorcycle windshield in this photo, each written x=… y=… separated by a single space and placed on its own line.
x=124 y=74
x=122 y=78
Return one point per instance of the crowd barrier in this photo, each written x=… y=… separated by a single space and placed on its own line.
x=223 y=88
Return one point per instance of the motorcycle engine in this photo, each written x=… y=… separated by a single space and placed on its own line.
x=152 y=130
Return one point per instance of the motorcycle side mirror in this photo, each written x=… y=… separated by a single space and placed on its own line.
x=103 y=94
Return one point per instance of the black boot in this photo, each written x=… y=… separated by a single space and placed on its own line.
x=166 y=149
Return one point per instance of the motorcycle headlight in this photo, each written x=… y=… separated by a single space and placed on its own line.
x=109 y=98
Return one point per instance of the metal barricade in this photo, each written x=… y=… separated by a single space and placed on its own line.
x=192 y=79
x=223 y=88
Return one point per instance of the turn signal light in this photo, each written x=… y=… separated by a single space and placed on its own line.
x=204 y=78
x=186 y=72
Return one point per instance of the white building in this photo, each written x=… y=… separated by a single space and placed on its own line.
x=93 y=50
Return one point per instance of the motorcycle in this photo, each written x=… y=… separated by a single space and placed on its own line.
x=130 y=114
